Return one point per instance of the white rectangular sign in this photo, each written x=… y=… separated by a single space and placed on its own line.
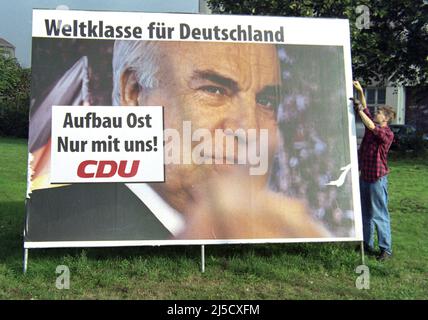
x=107 y=144
x=290 y=77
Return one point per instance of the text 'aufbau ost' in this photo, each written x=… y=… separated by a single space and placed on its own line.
x=161 y=31
x=92 y=121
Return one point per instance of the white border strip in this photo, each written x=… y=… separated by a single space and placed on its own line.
x=355 y=180
x=132 y=243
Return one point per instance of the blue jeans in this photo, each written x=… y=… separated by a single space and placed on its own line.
x=374 y=206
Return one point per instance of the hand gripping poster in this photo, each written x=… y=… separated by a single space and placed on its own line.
x=152 y=129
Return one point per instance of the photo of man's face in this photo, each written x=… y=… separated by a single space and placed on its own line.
x=248 y=143
x=213 y=86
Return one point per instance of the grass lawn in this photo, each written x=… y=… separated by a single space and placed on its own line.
x=279 y=271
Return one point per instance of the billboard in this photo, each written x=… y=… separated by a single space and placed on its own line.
x=152 y=129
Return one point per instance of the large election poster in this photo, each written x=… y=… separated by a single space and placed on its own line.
x=152 y=129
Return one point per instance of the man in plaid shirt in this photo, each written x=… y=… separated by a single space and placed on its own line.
x=372 y=159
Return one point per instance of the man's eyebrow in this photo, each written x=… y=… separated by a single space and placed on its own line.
x=271 y=90
x=217 y=78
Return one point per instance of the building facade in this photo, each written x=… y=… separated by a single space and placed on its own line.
x=7 y=49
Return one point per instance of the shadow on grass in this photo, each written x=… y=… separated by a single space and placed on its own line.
x=11 y=229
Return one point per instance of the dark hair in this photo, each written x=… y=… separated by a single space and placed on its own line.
x=388 y=111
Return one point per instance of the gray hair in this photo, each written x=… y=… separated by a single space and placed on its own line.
x=142 y=57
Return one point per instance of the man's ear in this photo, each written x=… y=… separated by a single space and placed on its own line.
x=129 y=88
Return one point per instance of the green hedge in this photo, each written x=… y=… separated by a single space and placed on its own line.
x=14 y=117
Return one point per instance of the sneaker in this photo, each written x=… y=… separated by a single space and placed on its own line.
x=383 y=256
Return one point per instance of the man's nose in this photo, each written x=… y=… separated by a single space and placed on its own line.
x=241 y=114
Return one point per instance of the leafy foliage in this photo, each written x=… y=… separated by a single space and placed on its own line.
x=14 y=97
x=14 y=80
x=392 y=47
x=14 y=118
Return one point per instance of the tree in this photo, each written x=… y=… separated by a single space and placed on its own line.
x=391 y=46
x=14 y=80
x=14 y=98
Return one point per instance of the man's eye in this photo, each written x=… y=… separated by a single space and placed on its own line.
x=214 y=90
x=267 y=102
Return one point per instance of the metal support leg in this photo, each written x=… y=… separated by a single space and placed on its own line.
x=202 y=258
x=362 y=252
x=25 y=260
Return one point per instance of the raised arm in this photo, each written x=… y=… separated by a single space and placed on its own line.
x=359 y=108
x=360 y=90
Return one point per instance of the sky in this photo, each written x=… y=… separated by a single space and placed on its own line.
x=15 y=21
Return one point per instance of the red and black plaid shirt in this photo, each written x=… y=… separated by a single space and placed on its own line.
x=373 y=152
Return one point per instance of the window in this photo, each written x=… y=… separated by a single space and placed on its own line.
x=381 y=96
x=375 y=97
x=371 y=96
x=5 y=52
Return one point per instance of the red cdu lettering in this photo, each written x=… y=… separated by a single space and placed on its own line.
x=122 y=168
x=101 y=173
x=81 y=170
x=107 y=169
